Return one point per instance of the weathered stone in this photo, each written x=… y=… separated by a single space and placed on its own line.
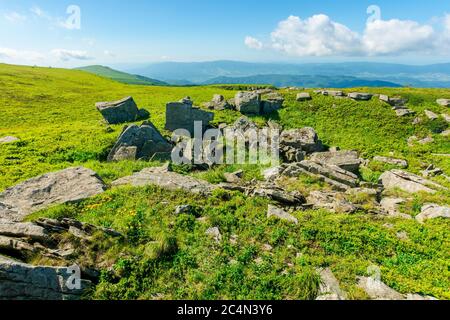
x=446 y=117
x=396 y=162
x=219 y=103
x=184 y=209
x=163 y=178
x=182 y=115
x=234 y=177
x=280 y=214
x=23 y=230
x=329 y=287
x=214 y=233
x=248 y=102
x=390 y=206
x=274 y=173
x=8 y=139
x=139 y=142
x=397 y=101
x=66 y=186
x=243 y=124
x=121 y=111
x=431 y=171
x=303 y=96
x=384 y=98
x=273 y=192
x=347 y=160
x=377 y=290
x=433 y=211
x=333 y=93
x=404 y=112
x=360 y=96
x=305 y=139
x=332 y=201
x=418 y=297
x=20 y=281
x=330 y=171
x=443 y=102
x=408 y=182
x=431 y=115
x=271 y=103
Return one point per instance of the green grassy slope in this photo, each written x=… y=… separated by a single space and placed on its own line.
x=122 y=77
x=166 y=256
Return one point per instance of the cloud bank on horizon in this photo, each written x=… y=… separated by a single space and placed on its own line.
x=320 y=36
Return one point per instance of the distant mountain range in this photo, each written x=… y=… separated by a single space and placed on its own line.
x=122 y=76
x=187 y=73
x=307 y=81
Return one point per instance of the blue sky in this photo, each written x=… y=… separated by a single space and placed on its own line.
x=137 y=31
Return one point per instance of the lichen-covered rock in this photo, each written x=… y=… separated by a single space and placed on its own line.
x=248 y=102
x=303 y=96
x=408 y=182
x=358 y=96
x=280 y=214
x=347 y=160
x=332 y=201
x=329 y=286
x=183 y=115
x=121 y=111
x=433 y=211
x=271 y=103
x=300 y=140
x=396 y=162
x=69 y=185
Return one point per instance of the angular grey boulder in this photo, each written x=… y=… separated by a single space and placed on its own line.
x=248 y=103
x=271 y=103
x=121 y=111
x=21 y=281
x=329 y=286
x=433 y=211
x=392 y=161
x=347 y=160
x=183 y=115
x=408 y=182
x=69 y=185
x=219 y=103
x=300 y=140
x=331 y=201
x=358 y=96
x=139 y=142
x=280 y=214
x=303 y=96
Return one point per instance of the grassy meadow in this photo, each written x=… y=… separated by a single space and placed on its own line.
x=166 y=256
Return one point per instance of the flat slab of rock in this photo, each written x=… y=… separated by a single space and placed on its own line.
x=280 y=214
x=433 y=211
x=303 y=96
x=139 y=142
x=329 y=287
x=396 y=162
x=121 y=111
x=20 y=281
x=347 y=160
x=163 y=178
x=408 y=182
x=66 y=186
x=404 y=112
x=23 y=230
x=8 y=139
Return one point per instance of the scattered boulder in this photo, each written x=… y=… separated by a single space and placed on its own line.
x=234 y=177
x=432 y=211
x=431 y=115
x=431 y=171
x=446 y=117
x=164 y=178
x=303 y=96
x=243 y=124
x=358 y=96
x=296 y=143
x=121 y=111
x=214 y=233
x=8 y=139
x=69 y=185
x=443 y=102
x=331 y=201
x=384 y=98
x=274 y=173
x=280 y=214
x=377 y=290
x=271 y=103
x=275 y=193
x=248 y=102
x=183 y=115
x=404 y=112
x=392 y=161
x=139 y=143
x=184 y=209
x=329 y=286
x=219 y=103
x=390 y=207
x=23 y=230
x=21 y=281
x=408 y=182
x=347 y=160
x=330 y=172
x=333 y=93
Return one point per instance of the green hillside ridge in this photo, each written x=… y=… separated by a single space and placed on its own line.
x=168 y=256
x=122 y=77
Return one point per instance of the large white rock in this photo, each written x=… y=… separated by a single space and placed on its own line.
x=432 y=211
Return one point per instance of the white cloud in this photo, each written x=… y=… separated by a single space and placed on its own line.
x=109 y=53
x=37 y=11
x=14 y=17
x=66 y=55
x=315 y=36
x=253 y=43
x=319 y=35
x=13 y=55
x=397 y=36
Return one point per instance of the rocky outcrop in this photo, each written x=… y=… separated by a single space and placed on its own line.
x=408 y=182
x=8 y=139
x=164 y=178
x=248 y=103
x=331 y=201
x=21 y=281
x=139 y=143
x=347 y=160
x=433 y=211
x=275 y=193
x=219 y=103
x=280 y=214
x=358 y=96
x=342 y=179
x=329 y=287
x=443 y=102
x=183 y=115
x=121 y=111
x=296 y=143
x=69 y=185
x=271 y=102
x=392 y=161
x=303 y=96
